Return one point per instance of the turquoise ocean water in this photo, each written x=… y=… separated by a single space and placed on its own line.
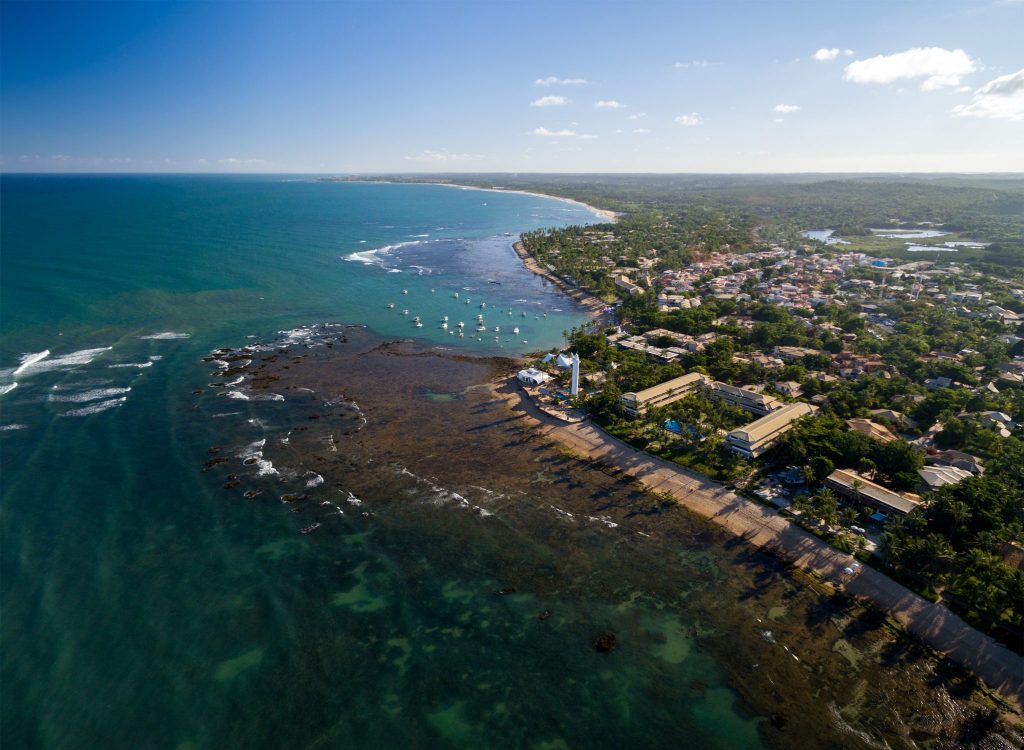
x=145 y=606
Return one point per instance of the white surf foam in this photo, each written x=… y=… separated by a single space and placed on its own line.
x=313 y=481
x=237 y=394
x=27 y=360
x=10 y=427
x=375 y=257
x=139 y=365
x=95 y=408
x=166 y=336
x=8 y=388
x=32 y=364
x=86 y=396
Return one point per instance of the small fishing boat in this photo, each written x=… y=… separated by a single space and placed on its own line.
x=391 y=305
x=456 y=295
x=444 y=325
x=483 y=305
x=418 y=324
x=444 y=318
x=405 y=312
x=515 y=330
x=405 y=291
x=461 y=324
x=497 y=329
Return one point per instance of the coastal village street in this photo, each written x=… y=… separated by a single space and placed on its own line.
x=938 y=627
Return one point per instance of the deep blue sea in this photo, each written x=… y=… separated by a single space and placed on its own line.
x=148 y=603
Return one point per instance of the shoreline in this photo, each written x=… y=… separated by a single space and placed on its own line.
x=595 y=306
x=608 y=215
x=1000 y=669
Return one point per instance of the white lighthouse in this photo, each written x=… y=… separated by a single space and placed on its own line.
x=574 y=386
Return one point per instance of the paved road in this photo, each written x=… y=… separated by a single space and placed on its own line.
x=938 y=627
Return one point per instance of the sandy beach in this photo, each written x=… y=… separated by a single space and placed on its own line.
x=594 y=305
x=935 y=625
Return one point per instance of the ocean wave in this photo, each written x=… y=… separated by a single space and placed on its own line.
x=237 y=394
x=252 y=455
x=139 y=365
x=313 y=481
x=300 y=335
x=32 y=364
x=374 y=257
x=85 y=396
x=165 y=336
x=27 y=360
x=11 y=427
x=95 y=408
x=4 y=389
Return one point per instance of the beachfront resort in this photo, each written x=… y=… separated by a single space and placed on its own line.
x=863 y=397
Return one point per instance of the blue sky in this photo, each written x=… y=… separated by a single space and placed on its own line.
x=512 y=86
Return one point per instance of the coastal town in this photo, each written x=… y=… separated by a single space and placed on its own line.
x=876 y=402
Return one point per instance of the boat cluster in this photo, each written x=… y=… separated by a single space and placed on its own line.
x=459 y=329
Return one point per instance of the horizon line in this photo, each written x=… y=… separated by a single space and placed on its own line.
x=506 y=173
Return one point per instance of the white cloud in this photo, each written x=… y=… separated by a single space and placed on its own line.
x=825 y=54
x=232 y=161
x=938 y=66
x=641 y=131
x=1000 y=99
x=694 y=64
x=443 y=154
x=563 y=133
x=690 y=120
x=556 y=81
x=549 y=101
x=637 y=116
x=785 y=108
x=608 y=104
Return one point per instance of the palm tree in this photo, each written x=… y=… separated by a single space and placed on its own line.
x=856 y=486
